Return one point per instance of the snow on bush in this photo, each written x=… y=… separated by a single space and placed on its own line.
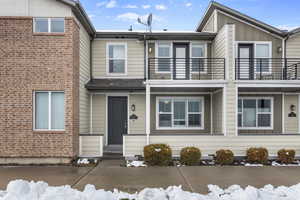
x=24 y=190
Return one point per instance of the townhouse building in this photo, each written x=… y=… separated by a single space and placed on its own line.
x=68 y=90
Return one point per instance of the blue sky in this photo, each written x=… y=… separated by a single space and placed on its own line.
x=185 y=14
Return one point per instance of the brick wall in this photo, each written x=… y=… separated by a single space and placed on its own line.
x=30 y=62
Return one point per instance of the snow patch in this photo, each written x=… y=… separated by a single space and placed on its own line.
x=135 y=163
x=296 y=164
x=253 y=165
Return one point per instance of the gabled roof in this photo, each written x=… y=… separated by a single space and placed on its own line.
x=80 y=14
x=215 y=5
x=294 y=31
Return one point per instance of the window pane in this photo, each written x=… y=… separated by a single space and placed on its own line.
x=198 y=51
x=195 y=106
x=57 y=110
x=249 y=113
x=41 y=110
x=264 y=120
x=117 y=51
x=164 y=64
x=116 y=66
x=194 y=120
x=165 y=105
x=240 y=105
x=57 y=25
x=264 y=105
x=262 y=65
x=165 y=120
x=198 y=65
x=240 y=120
x=41 y=25
x=262 y=50
x=179 y=110
x=163 y=51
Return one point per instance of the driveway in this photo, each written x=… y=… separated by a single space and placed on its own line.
x=109 y=175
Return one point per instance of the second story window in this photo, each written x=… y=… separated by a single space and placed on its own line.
x=116 y=58
x=49 y=25
x=198 y=53
x=163 y=57
x=262 y=53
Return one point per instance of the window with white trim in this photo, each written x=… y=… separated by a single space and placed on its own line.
x=198 y=53
x=49 y=112
x=255 y=113
x=179 y=112
x=116 y=54
x=49 y=25
x=164 y=57
x=263 y=55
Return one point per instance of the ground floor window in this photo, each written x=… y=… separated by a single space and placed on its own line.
x=180 y=112
x=255 y=112
x=49 y=110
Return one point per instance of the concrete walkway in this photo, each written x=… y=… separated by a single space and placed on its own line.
x=109 y=175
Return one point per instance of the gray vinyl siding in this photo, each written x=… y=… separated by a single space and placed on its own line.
x=84 y=77
x=135 y=58
x=217 y=112
x=218 y=51
x=137 y=126
x=209 y=26
x=210 y=144
x=277 y=115
x=91 y=146
x=206 y=112
x=245 y=32
x=99 y=115
x=291 y=123
x=293 y=46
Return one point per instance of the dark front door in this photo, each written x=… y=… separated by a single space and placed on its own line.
x=181 y=61
x=117 y=119
x=245 y=61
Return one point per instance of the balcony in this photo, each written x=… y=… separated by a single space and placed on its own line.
x=267 y=69
x=186 y=68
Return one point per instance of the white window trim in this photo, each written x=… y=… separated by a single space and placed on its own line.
x=272 y=113
x=169 y=44
x=49 y=110
x=107 y=58
x=186 y=99
x=255 y=43
x=49 y=24
x=205 y=56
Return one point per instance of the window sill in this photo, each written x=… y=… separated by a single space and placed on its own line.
x=49 y=34
x=48 y=132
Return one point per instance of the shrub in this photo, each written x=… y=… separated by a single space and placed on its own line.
x=286 y=156
x=158 y=154
x=224 y=157
x=257 y=155
x=190 y=156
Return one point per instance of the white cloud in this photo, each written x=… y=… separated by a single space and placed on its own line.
x=189 y=4
x=132 y=17
x=287 y=27
x=146 y=6
x=107 y=4
x=130 y=6
x=91 y=16
x=111 y=4
x=160 y=7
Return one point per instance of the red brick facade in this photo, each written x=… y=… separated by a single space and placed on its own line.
x=30 y=62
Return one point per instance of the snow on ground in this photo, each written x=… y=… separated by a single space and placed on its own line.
x=24 y=190
x=135 y=163
x=253 y=165
x=296 y=164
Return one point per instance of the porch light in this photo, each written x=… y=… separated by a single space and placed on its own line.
x=150 y=49
x=132 y=107
x=279 y=49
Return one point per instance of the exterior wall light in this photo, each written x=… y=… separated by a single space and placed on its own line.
x=132 y=107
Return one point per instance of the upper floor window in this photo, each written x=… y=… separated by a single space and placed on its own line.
x=117 y=58
x=49 y=111
x=163 y=56
x=263 y=53
x=49 y=25
x=198 y=53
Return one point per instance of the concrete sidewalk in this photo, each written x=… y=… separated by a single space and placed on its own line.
x=109 y=175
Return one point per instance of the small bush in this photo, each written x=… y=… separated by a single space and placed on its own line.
x=224 y=157
x=158 y=154
x=190 y=156
x=286 y=156
x=257 y=155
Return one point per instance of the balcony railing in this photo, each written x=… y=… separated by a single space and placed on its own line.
x=267 y=69
x=186 y=68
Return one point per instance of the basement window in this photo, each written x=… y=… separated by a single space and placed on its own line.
x=49 y=25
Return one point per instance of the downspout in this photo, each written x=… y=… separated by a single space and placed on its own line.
x=145 y=79
x=91 y=57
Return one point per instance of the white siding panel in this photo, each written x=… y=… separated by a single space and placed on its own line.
x=91 y=146
x=137 y=126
